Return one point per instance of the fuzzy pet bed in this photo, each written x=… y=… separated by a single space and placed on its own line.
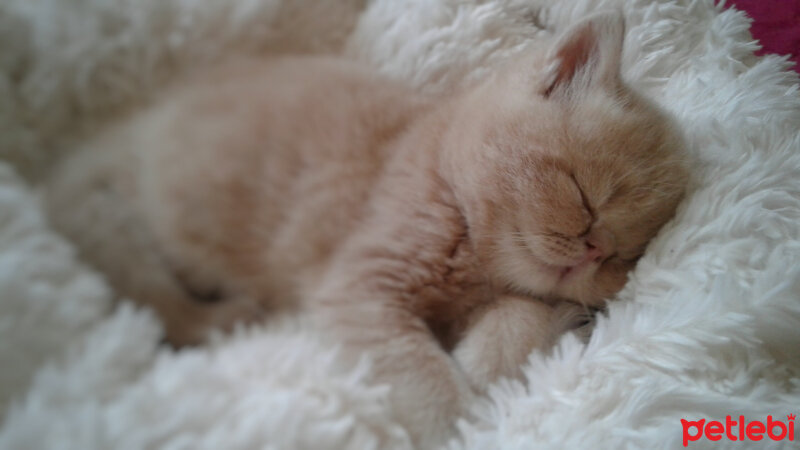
x=708 y=326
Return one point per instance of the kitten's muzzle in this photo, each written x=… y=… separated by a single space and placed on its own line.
x=599 y=247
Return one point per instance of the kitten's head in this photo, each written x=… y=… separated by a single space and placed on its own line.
x=564 y=174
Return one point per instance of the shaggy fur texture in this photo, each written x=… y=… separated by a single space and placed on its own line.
x=392 y=218
x=708 y=325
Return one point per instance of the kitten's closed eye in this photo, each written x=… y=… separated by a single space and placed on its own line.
x=586 y=204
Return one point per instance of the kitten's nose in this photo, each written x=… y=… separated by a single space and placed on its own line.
x=593 y=253
x=600 y=244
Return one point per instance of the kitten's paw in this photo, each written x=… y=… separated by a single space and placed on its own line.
x=501 y=337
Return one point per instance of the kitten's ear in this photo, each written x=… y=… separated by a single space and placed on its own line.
x=587 y=54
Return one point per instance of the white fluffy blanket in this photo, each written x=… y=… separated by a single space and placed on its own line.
x=708 y=326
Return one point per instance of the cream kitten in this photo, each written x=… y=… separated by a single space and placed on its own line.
x=411 y=227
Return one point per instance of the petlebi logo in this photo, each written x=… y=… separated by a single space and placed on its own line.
x=738 y=430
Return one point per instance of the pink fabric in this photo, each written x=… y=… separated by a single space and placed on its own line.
x=776 y=24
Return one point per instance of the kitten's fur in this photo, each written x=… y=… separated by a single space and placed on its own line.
x=405 y=225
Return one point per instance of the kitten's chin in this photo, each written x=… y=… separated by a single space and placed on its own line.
x=592 y=287
x=529 y=274
x=588 y=283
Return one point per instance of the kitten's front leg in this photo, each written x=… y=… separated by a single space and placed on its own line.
x=428 y=390
x=500 y=336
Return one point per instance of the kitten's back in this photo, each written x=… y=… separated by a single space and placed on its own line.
x=284 y=152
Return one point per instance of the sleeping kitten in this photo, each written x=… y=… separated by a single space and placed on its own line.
x=407 y=226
